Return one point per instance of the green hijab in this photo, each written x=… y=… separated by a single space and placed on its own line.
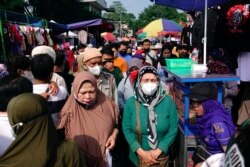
x=36 y=141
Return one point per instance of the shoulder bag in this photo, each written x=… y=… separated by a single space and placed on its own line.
x=163 y=159
x=200 y=154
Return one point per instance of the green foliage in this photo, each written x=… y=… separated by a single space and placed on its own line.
x=120 y=14
x=119 y=11
x=149 y=14
x=13 y=5
x=156 y=12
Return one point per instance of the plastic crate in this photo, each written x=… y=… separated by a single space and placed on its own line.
x=179 y=63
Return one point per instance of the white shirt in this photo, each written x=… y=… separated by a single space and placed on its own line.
x=61 y=95
x=243 y=65
x=216 y=160
x=6 y=137
x=58 y=80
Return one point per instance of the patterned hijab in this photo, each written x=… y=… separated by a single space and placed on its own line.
x=36 y=141
x=149 y=102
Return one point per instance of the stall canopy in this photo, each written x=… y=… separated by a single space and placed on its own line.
x=18 y=17
x=194 y=5
x=78 y=25
x=189 y=5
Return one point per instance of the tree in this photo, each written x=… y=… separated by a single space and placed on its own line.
x=119 y=11
x=156 y=12
x=120 y=14
x=13 y=5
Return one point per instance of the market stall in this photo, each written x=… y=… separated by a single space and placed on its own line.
x=20 y=33
x=183 y=80
x=88 y=31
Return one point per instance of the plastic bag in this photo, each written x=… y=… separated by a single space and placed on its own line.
x=108 y=158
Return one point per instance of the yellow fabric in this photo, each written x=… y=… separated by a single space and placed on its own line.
x=153 y=28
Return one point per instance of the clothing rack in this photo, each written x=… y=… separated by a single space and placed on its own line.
x=19 y=19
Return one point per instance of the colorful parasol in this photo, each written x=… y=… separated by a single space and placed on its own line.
x=159 y=26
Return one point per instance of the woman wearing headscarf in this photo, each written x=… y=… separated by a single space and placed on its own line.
x=91 y=60
x=214 y=123
x=126 y=86
x=10 y=86
x=149 y=120
x=36 y=141
x=90 y=119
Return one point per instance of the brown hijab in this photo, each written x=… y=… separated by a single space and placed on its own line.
x=90 y=128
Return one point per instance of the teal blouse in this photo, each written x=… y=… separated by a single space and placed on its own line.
x=166 y=127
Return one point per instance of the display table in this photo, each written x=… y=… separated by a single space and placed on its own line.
x=183 y=79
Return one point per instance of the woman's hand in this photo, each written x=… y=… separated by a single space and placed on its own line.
x=53 y=88
x=156 y=153
x=146 y=157
x=111 y=142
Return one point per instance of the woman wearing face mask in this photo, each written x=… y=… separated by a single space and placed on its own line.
x=10 y=86
x=126 y=86
x=91 y=60
x=90 y=119
x=149 y=120
x=36 y=142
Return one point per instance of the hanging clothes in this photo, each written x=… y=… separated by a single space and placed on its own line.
x=82 y=36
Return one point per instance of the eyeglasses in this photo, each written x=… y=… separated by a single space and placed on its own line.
x=194 y=104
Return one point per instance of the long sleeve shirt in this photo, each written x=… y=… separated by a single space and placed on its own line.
x=166 y=127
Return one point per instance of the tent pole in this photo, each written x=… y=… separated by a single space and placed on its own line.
x=2 y=41
x=205 y=36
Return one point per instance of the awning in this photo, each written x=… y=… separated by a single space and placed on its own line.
x=18 y=17
x=78 y=25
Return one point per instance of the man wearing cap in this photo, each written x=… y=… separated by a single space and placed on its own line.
x=214 y=123
x=50 y=51
x=91 y=60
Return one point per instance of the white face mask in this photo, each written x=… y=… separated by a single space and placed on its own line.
x=96 y=70
x=149 y=88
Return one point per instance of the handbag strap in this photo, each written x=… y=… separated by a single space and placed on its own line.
x=246 y=109
x=138 y=123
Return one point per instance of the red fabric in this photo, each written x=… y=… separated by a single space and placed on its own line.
x=71 y=58
x=139 y=52
x=133 y=75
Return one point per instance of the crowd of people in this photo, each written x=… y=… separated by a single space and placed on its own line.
x=104 y=107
